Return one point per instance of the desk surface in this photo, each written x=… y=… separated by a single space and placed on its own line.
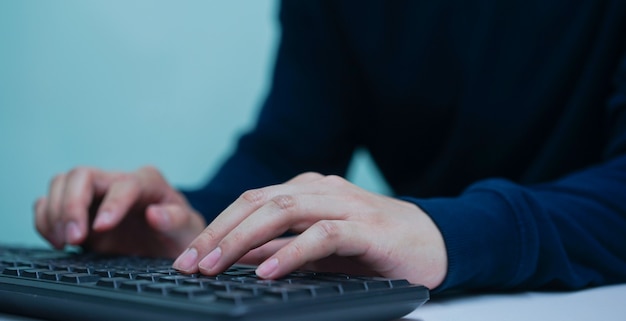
x=605 y=303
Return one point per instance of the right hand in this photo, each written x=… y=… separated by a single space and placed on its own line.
x=135 y=213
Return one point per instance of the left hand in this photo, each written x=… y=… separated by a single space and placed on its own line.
x=342 y=228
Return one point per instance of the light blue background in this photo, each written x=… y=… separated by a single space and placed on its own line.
x=120 y=84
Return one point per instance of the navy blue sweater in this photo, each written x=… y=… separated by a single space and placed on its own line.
x=504 y=120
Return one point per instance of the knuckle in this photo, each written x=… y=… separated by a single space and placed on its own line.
x=79 y=171
x=52 y=210
x=297 y=250
x=72 y=207
x=207 y=235
x=285 y=203
x=150 y=171
x=327 y=229
x=334 y=180
x=310 y=175
x=125 y=182
x=125 y=177
x=253 y=196
x=232 y=240
x=56 y=179
x=201 y=241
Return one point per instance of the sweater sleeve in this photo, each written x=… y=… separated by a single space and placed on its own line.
x=305 y=123
x=566 y=234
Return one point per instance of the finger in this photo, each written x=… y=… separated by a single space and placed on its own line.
x=321 y=240
x=41 y=221
x=247 y=203
x=252 y=200
x=178 y=223
x=78 y=193
x=263 y=252
x=205 y=245
x=122 y=194
x=282 y=213
x=145 y=186
x=65 y=204
x=154 y=187
x=53 y=213
x=199 y=248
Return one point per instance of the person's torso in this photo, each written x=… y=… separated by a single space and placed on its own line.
x=462 y=90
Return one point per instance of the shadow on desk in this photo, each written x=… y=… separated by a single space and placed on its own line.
x=606 y=303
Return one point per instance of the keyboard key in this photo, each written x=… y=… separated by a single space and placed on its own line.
x=351 y=286
x=176 y=279
x=16 y=263
x=105 y=272
x=220 y=285
x=53 y=275
x=79 y=278
x=150 y=276
x=233 y=295
x=15 y=271
x=199 y=282
x=377 y=285
x=285 y=294
x=84 y=269
x=61 y=267
x=191 y=292
x=43 y=265
x=168 y=271
x=135 y=285
x=129 y=274
x=324 y=290
x=113 y=283
x=399 y=283
x=34 y=273
x=160 y=288
x=238 y=298
x=247 y=288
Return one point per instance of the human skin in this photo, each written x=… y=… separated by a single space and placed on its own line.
x=339 y=227
x=117 y=212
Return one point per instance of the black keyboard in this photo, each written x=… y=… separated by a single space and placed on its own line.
x=58 y=285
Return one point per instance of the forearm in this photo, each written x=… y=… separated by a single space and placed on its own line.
x=566 y=234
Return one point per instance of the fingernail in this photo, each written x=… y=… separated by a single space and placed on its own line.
x=103 y=219
x=267 y=268
x=187 y=260
x=211 y=259
x=72 y=232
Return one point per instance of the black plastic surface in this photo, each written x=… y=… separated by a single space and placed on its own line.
x=68 y=286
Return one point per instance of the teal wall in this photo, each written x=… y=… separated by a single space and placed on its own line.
x=120 y=84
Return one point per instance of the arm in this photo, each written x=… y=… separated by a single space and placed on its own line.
x=568 y=233
x=307 y=121
x=565 y=234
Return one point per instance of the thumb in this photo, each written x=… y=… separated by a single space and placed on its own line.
x=178 y=223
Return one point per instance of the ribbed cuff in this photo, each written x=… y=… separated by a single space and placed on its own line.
x=482 y=238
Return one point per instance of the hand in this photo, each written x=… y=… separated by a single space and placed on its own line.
x=341 y=228
x=127 y=213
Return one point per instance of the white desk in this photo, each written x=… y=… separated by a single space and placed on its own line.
x=605 y=304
